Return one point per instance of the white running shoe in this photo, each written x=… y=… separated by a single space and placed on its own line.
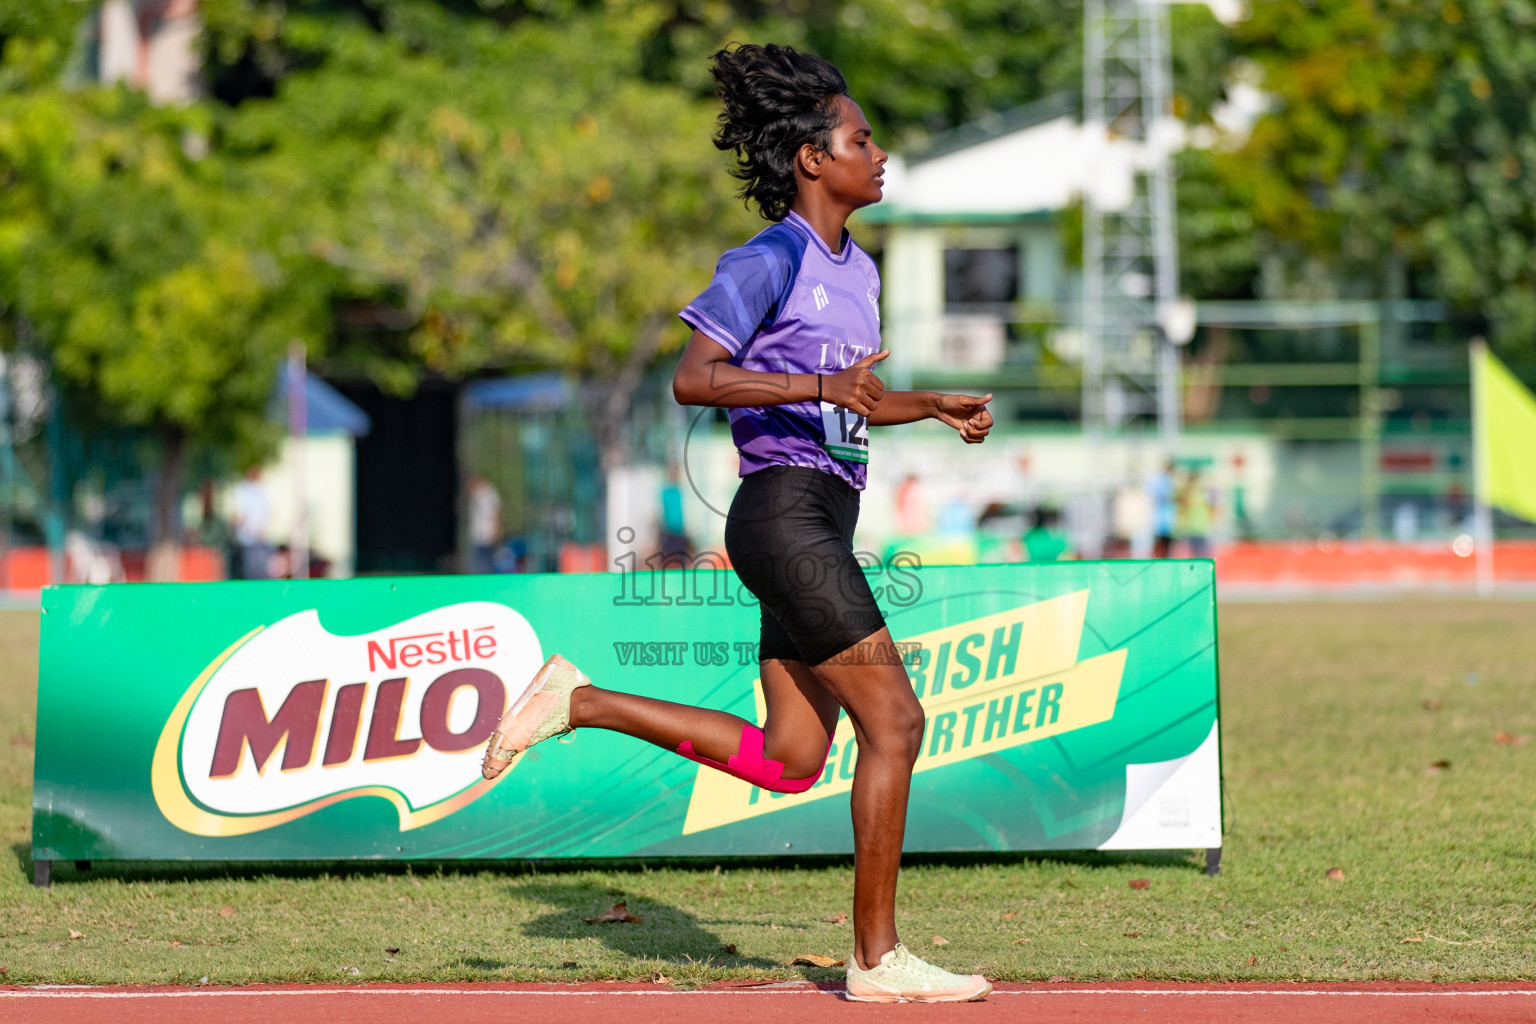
x=542 y=710
x=901 y=977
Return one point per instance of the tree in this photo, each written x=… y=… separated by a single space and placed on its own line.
x=1400 y=149
x=131 y=256
x=501 y=200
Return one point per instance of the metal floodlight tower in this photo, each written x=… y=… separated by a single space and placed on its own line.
x=1131 y=315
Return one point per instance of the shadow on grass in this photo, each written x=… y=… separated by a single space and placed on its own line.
x=664 y=932
x=23 y=853
x=140 y=870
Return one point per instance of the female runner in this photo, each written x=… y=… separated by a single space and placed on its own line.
x=787 y=337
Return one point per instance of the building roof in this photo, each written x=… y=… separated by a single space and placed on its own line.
x=1030 y=161
x=994 y=125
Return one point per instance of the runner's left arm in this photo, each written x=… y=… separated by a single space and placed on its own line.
x=966 y=413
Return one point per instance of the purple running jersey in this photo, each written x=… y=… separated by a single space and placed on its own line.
x=784 y=303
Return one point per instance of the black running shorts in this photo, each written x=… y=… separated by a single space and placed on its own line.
x=789 y=536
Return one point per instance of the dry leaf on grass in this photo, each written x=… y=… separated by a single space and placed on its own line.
x=1432 y=705
x=175 y=942
x=815 y=960
x=657 y=978
x=1335 y=875
x=1018 y=941
x=1505 y=739
x=228 y=911
x=1011 y=914
x=939 y=940
x=1133 y=935
x=837 y=918
x=1140 y=883
x=729 y=947
x=616 y=914
x=76 y=935
x=1057 y=979
x=1253 y=961
x=1436 y=767
x=1411 y=938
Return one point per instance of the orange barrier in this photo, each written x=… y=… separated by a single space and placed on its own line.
x=583 y=558
x=27 y=568
x=1309 y=563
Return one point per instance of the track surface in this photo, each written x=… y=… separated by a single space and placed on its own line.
x=781 y=1003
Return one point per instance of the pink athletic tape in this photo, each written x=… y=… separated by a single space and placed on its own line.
x=749 y=764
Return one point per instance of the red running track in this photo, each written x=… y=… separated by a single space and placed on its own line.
x=775 y=1003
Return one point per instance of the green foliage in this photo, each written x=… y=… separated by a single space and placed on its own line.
x=35 y=40
x=462 y=196
x=485 y=198
x=915 y=66
x=1218 y=247
x=1402 y=135
x=524 y=205
x=137 y=266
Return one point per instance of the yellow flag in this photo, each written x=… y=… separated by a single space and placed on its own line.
x=1504 y=431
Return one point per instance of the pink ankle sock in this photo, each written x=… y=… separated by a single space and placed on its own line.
x=749 y=764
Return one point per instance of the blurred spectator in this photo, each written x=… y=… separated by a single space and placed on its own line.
x=91 y=561
x=1133 y=515
x=1085 y=521
x=674 y=542
x=484 y=515
x=1045 y=542
x=1000 y=534
x=511 y=556
x=1161 y=491
x=956 y=517
x=1196 y=509
x=911 y=508
x=252 y=514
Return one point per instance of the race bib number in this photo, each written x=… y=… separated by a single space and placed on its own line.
x=845 y=433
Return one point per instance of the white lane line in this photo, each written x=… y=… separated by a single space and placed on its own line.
x=764 y=990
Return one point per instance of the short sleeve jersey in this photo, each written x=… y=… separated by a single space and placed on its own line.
x=785 y=303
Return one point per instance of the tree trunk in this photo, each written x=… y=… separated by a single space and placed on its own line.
x=164 y=563
x=611 y=393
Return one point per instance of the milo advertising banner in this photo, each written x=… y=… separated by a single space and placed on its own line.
x=1069 y=706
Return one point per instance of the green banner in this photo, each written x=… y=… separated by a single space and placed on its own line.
x=1069 y=706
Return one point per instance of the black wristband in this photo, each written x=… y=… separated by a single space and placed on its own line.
x=818 y=387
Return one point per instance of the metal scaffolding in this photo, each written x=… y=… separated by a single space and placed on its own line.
x=1130 y=250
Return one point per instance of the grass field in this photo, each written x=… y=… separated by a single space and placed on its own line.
x=1334 y=718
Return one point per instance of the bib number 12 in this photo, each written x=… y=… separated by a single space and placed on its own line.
x=846 y=433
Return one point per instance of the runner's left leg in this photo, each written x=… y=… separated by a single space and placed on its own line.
x=801 y=718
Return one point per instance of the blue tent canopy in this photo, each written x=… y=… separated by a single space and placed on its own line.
x=327 y=410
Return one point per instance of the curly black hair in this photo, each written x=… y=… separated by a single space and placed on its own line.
x=777 y=99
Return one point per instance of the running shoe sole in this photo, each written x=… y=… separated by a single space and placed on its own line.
x=946 y=996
